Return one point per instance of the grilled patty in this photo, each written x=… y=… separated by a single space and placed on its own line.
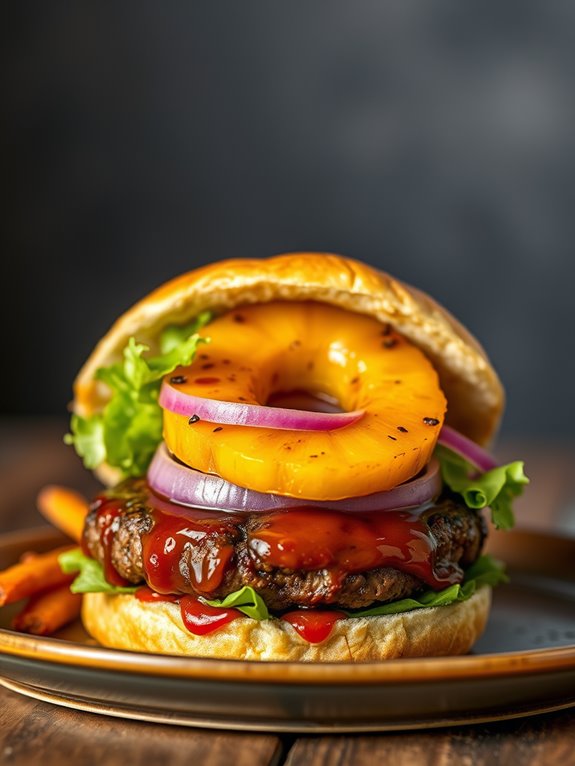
x=458 y=532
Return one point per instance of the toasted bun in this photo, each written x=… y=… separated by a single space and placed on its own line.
x=123 y=622
x=473 y=391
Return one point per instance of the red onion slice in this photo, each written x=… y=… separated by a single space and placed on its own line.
x=241 y=414
x=186 y=486
x=467 y=449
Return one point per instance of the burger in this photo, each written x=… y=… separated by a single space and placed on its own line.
x=294 y=454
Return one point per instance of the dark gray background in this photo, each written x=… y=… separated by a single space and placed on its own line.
x=433 y=139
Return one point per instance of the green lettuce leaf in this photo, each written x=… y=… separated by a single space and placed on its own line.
x=245 y=600
x=129 y=428
x=485 y=571
x=496 y=488
x=174 y=335
x=91 y=575
x=88 y=439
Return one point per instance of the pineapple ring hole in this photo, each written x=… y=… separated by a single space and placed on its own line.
x=300 y=399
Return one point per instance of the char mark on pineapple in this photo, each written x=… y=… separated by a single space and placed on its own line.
x=459 y=534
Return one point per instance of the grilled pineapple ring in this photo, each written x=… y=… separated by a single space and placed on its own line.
x=258 y=350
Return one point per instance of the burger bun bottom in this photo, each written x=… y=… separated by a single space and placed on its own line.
x=124 y=622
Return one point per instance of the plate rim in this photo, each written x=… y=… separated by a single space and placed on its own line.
x=277 y=726
x=401 y=671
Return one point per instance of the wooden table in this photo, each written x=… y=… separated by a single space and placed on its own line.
x=32 y=732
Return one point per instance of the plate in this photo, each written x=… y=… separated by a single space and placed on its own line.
x=524 y=664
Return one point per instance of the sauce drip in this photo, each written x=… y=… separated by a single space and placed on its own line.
x=108 y=518
x=149 y=596
x=344 y=543
x=205 y=541
x=201 y=619
x=313 y=625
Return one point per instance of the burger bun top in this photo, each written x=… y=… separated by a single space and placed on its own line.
x=473 y=390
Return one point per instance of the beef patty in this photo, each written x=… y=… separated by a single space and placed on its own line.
x=458 y=533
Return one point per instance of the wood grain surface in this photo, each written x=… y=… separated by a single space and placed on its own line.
x=32 y=454
x=38 y=734
x=542 y=741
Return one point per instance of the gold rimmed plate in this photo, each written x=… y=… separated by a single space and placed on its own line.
x=524 y=664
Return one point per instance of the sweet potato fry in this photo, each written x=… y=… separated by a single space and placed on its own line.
x=35 y=574
x=46 y=612
x=28 y=556
x=63 y=508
